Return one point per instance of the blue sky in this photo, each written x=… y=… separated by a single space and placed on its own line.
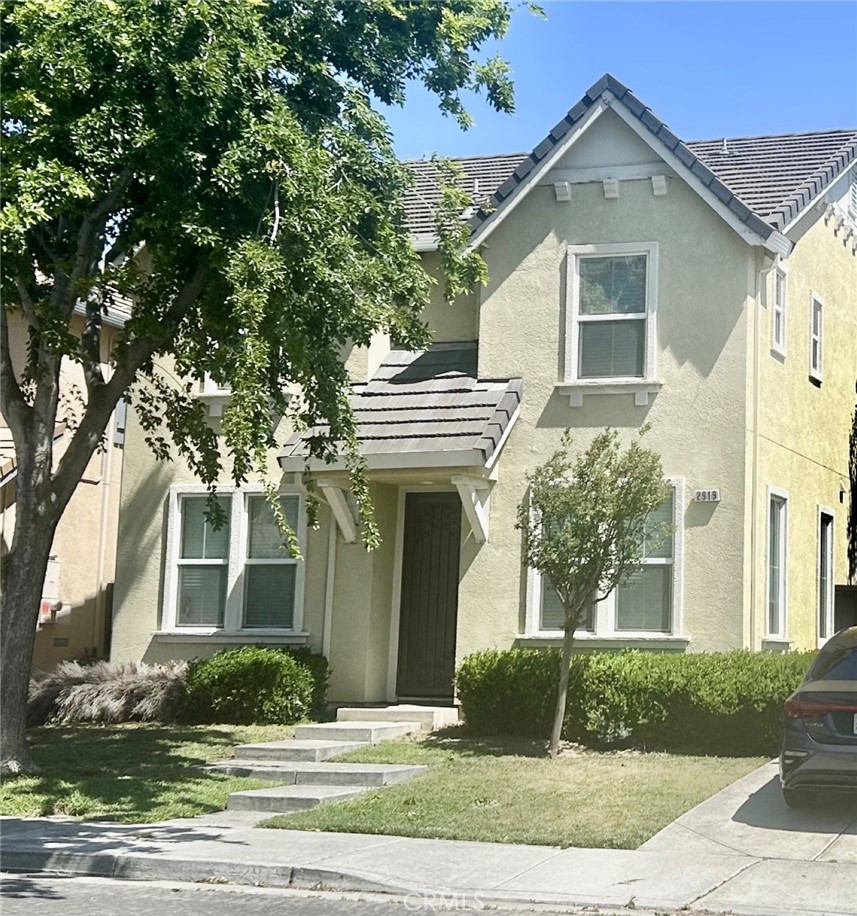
x=709 y=69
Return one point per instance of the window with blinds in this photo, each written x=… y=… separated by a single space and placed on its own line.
x=612 y=317
x=270 y=574
x=777 y=521
x=202 y=565
x=237 y=577
x=644 y=604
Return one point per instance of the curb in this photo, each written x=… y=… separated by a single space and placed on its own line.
x=136 y=867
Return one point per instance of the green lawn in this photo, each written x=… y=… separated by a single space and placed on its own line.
x=130 y=773
x=509 y=792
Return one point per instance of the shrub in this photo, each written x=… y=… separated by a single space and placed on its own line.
x=319 y=670
x=718 y=703
x=249 y=685
x=514 y=692
x=107 y=692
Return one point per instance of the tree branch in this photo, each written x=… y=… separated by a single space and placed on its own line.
x=103 y=397
x=14 y=408
x=64 y=293
x=26 y=303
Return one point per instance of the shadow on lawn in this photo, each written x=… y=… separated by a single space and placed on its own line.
x=457 y=739
x=127 y=768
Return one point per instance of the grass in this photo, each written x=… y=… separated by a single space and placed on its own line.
x=509 y=792
x=130 y=773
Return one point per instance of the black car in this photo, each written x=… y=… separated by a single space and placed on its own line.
x=820 y=727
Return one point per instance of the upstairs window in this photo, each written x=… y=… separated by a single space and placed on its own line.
x=610 y=334
x=778 y=316
x=816 y=337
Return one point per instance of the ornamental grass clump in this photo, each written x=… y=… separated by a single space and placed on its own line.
x=107 y=692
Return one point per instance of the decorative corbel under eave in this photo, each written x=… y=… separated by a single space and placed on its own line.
x=338 y=502
x=474 y=498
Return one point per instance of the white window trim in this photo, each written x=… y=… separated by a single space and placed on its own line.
x=782 y=632
x=816 y=371
x=605 y=612
x=641 y=387
x=778 y=347
x=236 y=561
x=826 y=511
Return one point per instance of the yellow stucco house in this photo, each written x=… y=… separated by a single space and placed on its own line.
x=708 y=289
x=76 y=607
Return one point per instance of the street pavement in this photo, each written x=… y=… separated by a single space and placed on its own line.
x=38 y=895
x=741 y=851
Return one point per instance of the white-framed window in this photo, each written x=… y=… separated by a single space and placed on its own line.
x=237 y=578
x=612 y=307
x=778 y=313
x=777 y=557
x=648 y=605
x=825 y=573
x=816 y=336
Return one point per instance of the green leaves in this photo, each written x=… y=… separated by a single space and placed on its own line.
x=585 y=519
x=220 y=164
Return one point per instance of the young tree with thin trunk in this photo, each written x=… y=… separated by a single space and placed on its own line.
x=584 y=526
x=222 y=166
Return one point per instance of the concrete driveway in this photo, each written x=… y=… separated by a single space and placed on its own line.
x=750 y=818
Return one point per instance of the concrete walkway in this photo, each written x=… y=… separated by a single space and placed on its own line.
x=224 y=848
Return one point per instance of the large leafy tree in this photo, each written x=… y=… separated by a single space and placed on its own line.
x=220 y=164
x=585 y=523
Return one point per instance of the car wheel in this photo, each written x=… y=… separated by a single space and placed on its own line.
x=798 y=798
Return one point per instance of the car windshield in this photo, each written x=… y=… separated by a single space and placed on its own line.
x=835 y=665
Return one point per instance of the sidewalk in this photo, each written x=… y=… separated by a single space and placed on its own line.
x=222 y=848
x=741 y=851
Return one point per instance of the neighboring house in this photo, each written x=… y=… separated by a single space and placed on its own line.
x=706 y=289
x=75 y=613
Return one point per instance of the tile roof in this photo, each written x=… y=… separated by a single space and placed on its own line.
x=426 y=401
x=765 y=181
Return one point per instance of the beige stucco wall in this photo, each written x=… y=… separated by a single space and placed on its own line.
x=697 y=419
x=141 y=559
x=85 y=542
x=804 y=427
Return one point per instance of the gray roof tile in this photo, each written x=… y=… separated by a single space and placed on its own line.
x=770 y=179
x=427 y=401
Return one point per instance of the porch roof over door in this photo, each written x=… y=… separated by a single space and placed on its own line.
x=424 y=409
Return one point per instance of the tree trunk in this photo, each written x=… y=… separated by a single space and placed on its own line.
x=24 y=570
x=562 y=692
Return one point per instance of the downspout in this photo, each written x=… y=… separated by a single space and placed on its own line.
x=328 y=589
x=765 y=263
x=100 y=584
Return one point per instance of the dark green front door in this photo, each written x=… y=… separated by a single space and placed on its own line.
x=429 y=604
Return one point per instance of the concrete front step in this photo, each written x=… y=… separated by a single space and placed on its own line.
x=369 y=732
x=430 y=718
x=287 y=799
x=319 y=774
x=311 y=749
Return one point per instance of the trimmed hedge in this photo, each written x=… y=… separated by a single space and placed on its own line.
x=248 y=685
x=718 y=703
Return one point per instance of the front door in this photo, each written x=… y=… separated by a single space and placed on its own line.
x=429 y=604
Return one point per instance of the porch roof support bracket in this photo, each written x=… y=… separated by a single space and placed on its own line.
x=474 y=492
x=338 y=502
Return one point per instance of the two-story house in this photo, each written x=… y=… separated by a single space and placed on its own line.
x=707 y=289
x=76 y=606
